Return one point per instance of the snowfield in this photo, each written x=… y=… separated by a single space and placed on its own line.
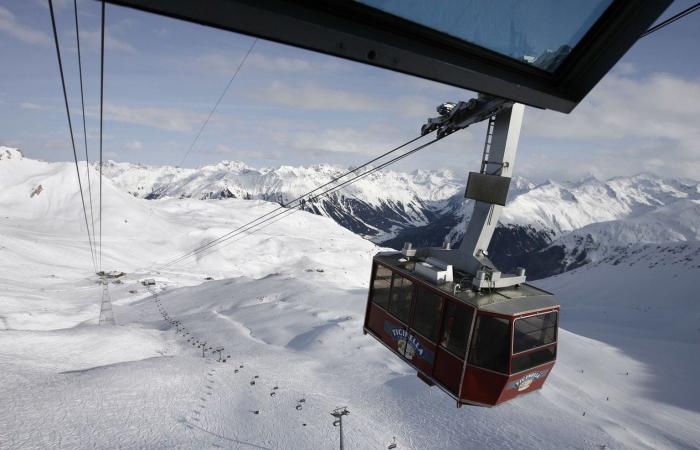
x=287 y=305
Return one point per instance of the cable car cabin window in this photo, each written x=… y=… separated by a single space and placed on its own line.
x=490 y=347
x=455 y=328
x=401 y=297
x=381 y=286
x=534 y=358
x=535 y=331
x=427 y=314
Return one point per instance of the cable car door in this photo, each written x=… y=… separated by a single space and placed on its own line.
x=452 y=349
x=424 y=328
x=400 y=307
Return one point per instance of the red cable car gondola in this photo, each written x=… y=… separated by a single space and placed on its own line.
x=482 y=336
x=481 y=347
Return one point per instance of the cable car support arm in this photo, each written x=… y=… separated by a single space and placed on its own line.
x=488 y=188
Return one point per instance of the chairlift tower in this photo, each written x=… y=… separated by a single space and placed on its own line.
x=338 y=413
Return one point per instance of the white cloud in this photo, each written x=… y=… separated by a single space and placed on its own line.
x=162 y=118
x=658 y=106
x=227 y=64
x=32 y=106
x=370 y=141
x=112 y=43
x=624 y=68
x=342 y=140
x=317 y=98
x=9 y=25
x=227 y=151
x=625 y=126
x=134 y=145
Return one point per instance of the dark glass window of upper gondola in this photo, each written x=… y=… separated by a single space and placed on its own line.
x=540 y=33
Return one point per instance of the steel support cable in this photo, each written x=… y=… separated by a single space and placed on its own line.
x=671 y=19
x=102 y=83
x=334 y=180
x=248 y=227
x=70 y=129
x=289 y=211
x=216 y=105
x=313 y=198
x=82 y=104
x=247 y=232
x=211 y=113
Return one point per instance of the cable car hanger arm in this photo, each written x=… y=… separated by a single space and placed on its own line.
x=488 y=188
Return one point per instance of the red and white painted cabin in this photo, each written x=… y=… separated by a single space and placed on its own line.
x=481 y=347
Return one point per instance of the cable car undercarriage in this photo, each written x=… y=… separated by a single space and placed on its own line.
x=482 y=336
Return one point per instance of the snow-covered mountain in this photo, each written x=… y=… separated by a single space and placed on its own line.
x=547 y=228
x=557 y=226
x=377 y=206
x=592 y=219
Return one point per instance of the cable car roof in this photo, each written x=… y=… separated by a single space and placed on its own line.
x=548 y=54
x=513 y=301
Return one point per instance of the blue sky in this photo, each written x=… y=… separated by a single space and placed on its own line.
x=291 y=106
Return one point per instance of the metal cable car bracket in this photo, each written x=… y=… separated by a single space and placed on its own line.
x=488 y=188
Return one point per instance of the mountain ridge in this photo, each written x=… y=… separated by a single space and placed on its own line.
x=547 y=227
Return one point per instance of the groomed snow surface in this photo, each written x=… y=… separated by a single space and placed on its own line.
x=287 y=305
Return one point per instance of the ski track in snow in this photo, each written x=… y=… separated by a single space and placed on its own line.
x=628 y=352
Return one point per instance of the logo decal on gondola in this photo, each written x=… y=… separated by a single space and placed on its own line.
x=407 y=344
x=526 y=381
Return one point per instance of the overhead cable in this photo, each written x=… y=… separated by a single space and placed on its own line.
x=102 y=84
x=216 y=105
x=311 y=198
x=671 y=19
x=332 y=181
x=82 y=104
x=70 y=129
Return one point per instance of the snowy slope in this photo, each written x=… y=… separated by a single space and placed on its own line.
x=287 y=305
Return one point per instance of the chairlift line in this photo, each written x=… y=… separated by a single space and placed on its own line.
x=70 y=129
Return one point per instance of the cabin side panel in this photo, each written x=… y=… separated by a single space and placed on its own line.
x=525 y=382
x=482 y=386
